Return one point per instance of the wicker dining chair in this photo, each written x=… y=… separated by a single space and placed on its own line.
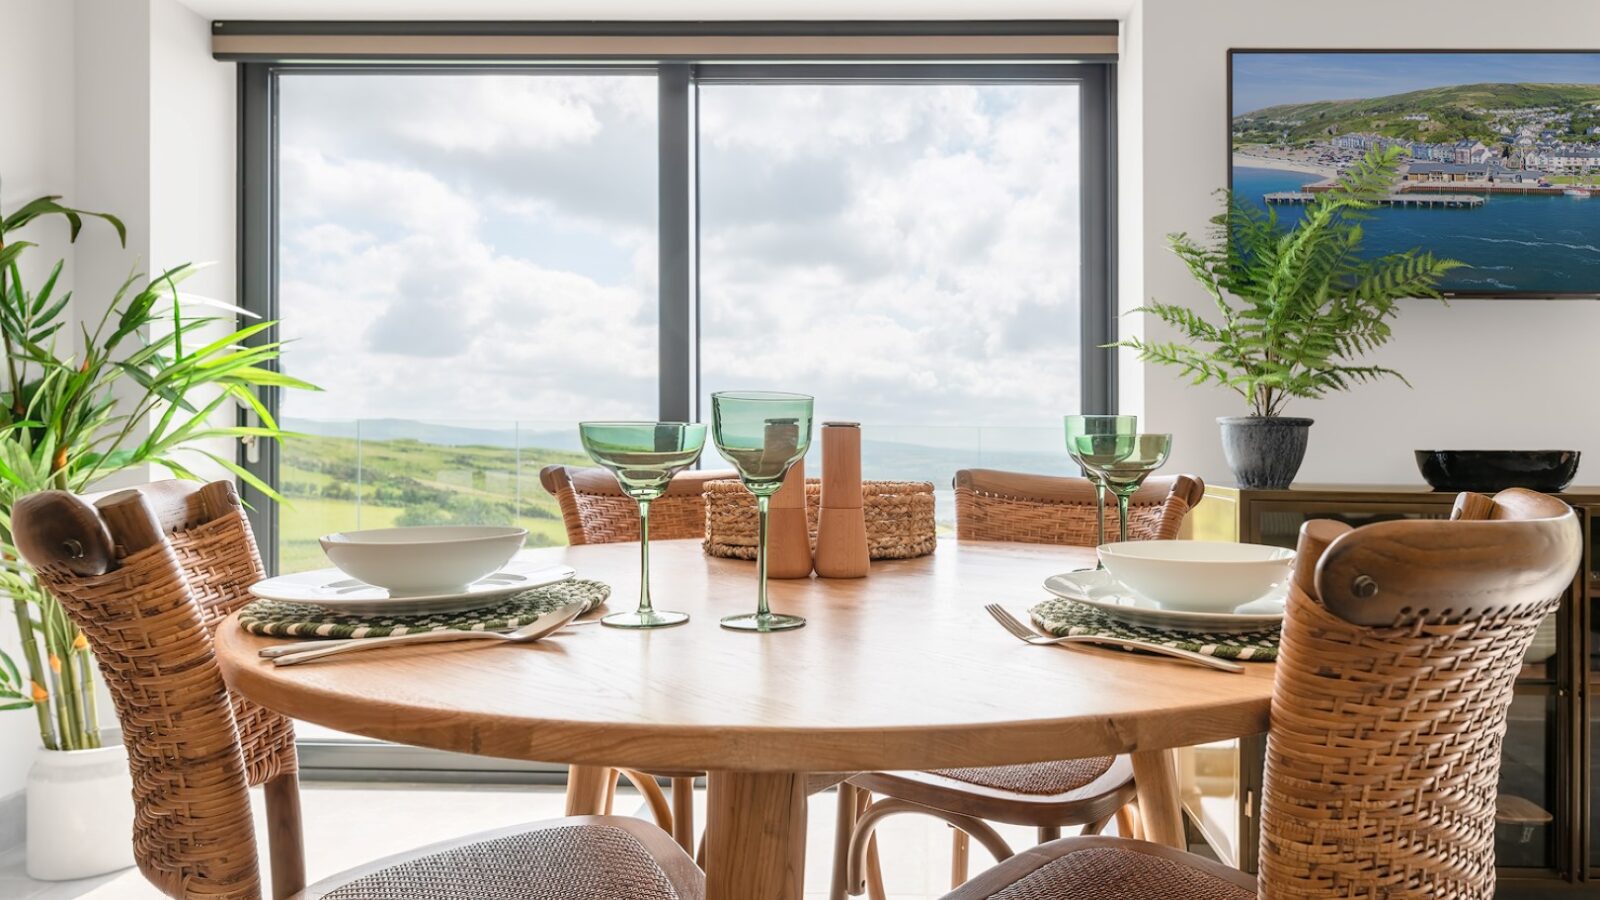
x=148 y=574
x=1013 y=506
x=1046 y=509
x=596 y=511
x=1401 y=645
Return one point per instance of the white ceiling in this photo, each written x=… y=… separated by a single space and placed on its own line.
x=535 y=10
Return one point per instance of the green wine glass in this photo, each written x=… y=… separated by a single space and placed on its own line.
x=644 y=456
x=1123 y=462
x=762 y=433
x=1076 y=427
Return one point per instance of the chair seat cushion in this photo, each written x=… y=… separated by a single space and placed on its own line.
x=1102 y=868
x=1034 y=778
x=591 y=861
x=1069 y=792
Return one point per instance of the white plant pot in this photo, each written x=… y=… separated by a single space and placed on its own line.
x=80 y=811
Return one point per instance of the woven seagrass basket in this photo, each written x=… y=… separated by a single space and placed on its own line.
x=899 y=518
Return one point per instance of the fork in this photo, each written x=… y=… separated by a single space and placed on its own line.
x=545 y=625
x=1025 y=634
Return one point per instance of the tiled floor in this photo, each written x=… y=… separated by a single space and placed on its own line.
x=347 y=824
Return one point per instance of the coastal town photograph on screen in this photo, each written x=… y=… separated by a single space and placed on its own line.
x=1499 y=155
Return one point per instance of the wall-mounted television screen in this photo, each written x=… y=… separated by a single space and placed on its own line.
x=1500 y=155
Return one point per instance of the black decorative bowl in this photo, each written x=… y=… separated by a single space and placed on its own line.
x=1495 y=470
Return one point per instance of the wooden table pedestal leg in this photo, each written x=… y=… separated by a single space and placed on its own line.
x=683 y=813
x=843 y=824
x=1155 y=774
x=587 y=789
x=755 y=836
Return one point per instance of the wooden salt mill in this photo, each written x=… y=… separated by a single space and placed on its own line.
x=788 y=536
x=842 y=526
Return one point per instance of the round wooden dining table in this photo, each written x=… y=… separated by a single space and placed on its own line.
x=902 y=669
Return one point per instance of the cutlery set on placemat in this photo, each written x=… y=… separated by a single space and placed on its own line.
x=1201 y=601
x=416 y=585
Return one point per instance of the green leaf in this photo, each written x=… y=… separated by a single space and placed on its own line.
x=151 y=385
x=31 y=210
x=42 y=296
x=234 y=339
x=240 y=392
x=44 y=206
x=9 y=669
x=12 y=250
x=272 y=378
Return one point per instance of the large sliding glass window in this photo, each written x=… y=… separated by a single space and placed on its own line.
x=468 y=261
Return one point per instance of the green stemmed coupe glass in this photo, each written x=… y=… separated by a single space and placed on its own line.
x=644 y=456
x=1123 y=462
x=1077 y=426
x=762 y=433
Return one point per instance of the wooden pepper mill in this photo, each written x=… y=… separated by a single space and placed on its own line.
x=842 y=526
x=788 y=537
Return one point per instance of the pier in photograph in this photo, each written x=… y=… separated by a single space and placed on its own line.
x=1434 y=201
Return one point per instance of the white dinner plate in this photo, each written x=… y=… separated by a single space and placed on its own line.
x=337 y=592
x=1100 y=590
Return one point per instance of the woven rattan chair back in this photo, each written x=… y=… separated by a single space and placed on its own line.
x=1046 y=509
x=1400 y=648
x=147 y=574
x=596 y=511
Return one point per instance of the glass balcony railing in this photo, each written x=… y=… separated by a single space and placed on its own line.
x=373 y=473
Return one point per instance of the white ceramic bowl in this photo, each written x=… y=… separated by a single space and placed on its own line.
x=433 y=559
x=1197 y=576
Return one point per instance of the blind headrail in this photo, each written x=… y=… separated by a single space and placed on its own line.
x=644 y=41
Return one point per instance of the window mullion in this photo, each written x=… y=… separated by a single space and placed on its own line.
x=675 y=157
x=257 y=280
x=1097 y=298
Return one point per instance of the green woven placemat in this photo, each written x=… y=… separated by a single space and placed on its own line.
x=1062 y=617
x=277 y=618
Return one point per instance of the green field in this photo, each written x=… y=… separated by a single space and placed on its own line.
x=336 y=484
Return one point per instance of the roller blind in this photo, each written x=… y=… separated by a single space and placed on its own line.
x=647 y=41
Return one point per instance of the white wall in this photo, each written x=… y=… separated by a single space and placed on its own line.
x=193 y=125
x=36 y=158
x=121 y=109
x=1487 y=374
x=192 y=188
x=112 y=159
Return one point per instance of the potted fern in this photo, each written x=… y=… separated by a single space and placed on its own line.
x=143 y=384
x=1294 y=310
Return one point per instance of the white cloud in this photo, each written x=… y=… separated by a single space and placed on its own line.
x=483 y=248
x=951 y=296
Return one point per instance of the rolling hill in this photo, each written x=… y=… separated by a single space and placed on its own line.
x=1457 y=112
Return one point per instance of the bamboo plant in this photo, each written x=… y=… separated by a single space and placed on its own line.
x=141 y=387
x=1294 y=306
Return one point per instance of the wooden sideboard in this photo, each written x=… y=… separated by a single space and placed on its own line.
x=1548 y=839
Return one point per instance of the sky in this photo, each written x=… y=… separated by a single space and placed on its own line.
x=1268 y=79
x=482 y=249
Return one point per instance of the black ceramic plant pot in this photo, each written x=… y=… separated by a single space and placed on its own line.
x=1264 y=452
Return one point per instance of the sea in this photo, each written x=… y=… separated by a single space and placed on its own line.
x=1513 y=243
